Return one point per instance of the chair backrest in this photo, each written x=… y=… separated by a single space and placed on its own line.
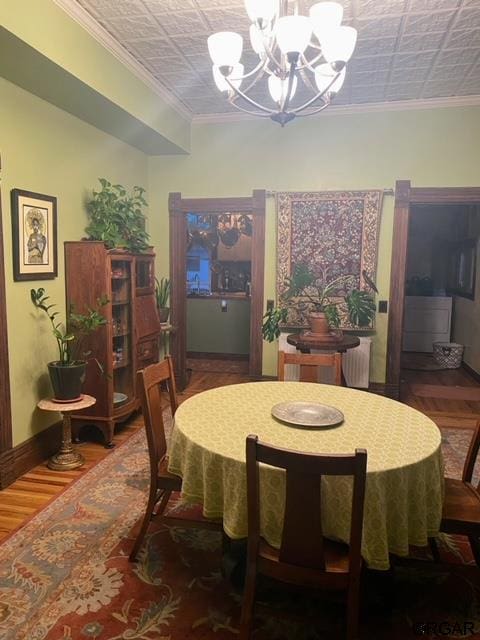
x=309 y=363
x=302 y=539
x=149 y=383
x=471 y=458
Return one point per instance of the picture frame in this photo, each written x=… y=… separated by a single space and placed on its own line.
x=34 y=235
x=462 y=268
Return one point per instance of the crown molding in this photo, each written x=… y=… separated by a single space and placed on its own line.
x=353 y=109
x=101 y=35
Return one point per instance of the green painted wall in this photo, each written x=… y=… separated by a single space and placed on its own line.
x=371 y=150
x=48 y=151
x=48 y=53
x=209 y=329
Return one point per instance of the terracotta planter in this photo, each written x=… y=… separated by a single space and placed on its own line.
x=318 y=323
x=67 y=381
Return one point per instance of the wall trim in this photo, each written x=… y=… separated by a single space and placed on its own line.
x=28 y=454
x=101 y=35
x=353 y=109
x=475 y=374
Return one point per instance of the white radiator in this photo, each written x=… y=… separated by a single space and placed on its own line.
x=355 y=363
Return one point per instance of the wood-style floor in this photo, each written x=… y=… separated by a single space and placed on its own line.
x=35 y=489
x=31 y=492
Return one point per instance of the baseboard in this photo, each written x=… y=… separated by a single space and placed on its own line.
x=211 y=355
x=20 y=459
x=475 y=375
x=384 y=389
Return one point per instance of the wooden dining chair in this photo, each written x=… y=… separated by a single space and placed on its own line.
x=305 y=557
x=150 y=382
x=309 y=364
x=461 y=508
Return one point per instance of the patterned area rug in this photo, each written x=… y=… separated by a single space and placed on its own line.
x=66 y=576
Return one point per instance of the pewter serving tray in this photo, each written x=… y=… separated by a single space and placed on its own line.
x=307 y=414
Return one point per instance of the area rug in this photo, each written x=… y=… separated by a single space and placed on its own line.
x=66 y=575
x=445 y=392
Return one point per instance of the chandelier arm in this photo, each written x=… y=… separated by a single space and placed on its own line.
x=308 y=65
x=307 y=80
x=312 y=113
x=252 y=113
x=320 y=94
x=288 y=95
x=237 y=92
x=259 y=66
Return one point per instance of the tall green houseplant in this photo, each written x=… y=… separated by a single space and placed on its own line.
x=117 y=218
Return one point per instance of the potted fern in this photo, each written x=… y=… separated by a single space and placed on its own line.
x=162 y=295
x=313 y=298
x=67 y=374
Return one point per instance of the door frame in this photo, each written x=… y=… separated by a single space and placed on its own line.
x=178 y=209
x=405 y=197
x=6 y=436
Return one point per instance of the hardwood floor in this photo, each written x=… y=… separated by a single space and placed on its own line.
x=35 y=489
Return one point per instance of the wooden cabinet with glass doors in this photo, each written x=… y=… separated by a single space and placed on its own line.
x=130 y=339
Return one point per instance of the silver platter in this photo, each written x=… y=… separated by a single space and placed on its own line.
x=307 y=414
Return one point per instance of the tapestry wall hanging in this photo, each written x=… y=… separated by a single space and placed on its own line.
x=331 y=232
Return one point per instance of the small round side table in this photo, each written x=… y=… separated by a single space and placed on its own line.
x=67 y=458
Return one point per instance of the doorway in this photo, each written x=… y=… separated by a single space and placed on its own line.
x=217 y=289
x=409 y=204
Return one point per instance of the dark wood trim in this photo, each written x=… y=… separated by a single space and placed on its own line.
x=401 y=217
x=471 y=372
x=19 y=460
x=178 y=295
x=383 y=389
x=405 y=196
x=5 y=402
x=212 y=355
x=214 y=205
x=257 y=293
x=178 y=208
x=444 y=195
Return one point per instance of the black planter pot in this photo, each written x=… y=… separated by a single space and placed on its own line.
x=67 y=381
x=163 y=313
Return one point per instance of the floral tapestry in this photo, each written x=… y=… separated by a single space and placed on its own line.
x=332 y=232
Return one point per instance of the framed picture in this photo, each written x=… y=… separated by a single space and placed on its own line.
x=462 y=268
x=34 y=229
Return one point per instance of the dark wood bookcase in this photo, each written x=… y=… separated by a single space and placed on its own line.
x=130 y=339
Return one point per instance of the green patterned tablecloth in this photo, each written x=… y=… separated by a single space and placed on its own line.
x=404 y=491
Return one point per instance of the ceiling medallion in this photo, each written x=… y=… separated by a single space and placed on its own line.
x=292 y=49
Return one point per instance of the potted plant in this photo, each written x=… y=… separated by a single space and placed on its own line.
x=116 y=217
x=67 y=374
x=162 y=294
x=319 y=300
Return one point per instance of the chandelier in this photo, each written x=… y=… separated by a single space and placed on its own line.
x=291 y=49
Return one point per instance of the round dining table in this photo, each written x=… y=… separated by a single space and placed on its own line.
x=404 y=485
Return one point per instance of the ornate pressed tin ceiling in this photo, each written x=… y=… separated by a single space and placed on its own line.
x=406 y=49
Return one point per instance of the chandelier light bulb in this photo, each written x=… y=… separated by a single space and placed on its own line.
x=325 y=17
x=293 y=33
x=256 y=40
x=225 y=48
x=262 y=12
x=235 y=77
x=339 y=44
x=310 y=51
x=324 y=74
x=278 y=88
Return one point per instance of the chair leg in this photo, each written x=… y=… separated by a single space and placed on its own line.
x=434 y=549
x=152 y=501
x=475 y=545
x=246 y=618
